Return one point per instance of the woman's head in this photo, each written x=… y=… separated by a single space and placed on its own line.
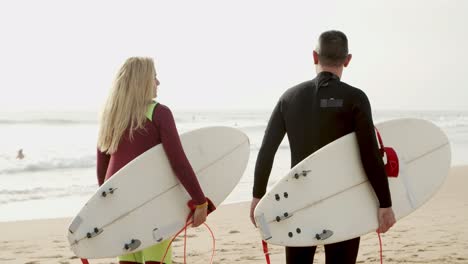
x=136 y=78
x=133 y=88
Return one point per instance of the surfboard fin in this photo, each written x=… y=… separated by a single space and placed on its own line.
x=75 y=224
x=263 y=226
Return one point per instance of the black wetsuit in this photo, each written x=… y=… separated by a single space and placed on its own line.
x=313 y=114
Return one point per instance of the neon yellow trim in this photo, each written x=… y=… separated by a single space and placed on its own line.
x=150 y=110
x=153 y=253
x=205 y=204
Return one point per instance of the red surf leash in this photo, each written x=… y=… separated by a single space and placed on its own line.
x=188 y=222
x=380 y=243
x=265 y=251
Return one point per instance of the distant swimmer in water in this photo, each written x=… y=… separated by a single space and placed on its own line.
x=20 y=154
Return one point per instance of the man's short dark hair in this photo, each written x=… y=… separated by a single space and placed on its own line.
x=332 y=48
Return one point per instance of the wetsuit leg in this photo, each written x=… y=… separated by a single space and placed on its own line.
x=345 y=252
x=154 y=254
x=300 y=255
x=132 y=258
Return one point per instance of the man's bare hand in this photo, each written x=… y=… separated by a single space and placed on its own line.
x=253 y=205
x=386 y=219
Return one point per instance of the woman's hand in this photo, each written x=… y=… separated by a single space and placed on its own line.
x=199 y=216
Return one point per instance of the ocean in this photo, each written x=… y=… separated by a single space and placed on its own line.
x=57 y=175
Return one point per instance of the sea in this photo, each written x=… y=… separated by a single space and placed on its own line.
x=58 y=173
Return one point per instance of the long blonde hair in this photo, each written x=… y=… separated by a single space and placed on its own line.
x=125 y=108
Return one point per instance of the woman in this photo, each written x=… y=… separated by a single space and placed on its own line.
x=131 y=124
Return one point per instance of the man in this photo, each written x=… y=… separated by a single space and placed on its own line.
x=313 y=114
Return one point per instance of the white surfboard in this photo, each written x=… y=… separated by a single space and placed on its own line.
x=327 y=198
x=144 y=203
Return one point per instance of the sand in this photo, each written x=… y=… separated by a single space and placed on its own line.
x=435 y=233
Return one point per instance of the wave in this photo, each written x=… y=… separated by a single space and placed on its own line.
x=46 y=122
x=53 y=164
x=22 y=195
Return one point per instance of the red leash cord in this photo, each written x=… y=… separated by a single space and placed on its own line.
x=185 y=241
x=192 y=207
x=265 y=251
x=380 y=243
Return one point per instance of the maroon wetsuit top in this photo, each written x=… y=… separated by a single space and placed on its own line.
x=161 y=130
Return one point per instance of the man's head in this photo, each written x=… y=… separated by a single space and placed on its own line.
x=332 y=50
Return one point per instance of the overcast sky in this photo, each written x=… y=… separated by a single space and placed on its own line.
x=62 y=55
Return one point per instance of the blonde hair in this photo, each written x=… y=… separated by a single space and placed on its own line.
x=125 y=108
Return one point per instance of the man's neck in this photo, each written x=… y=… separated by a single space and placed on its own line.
x=338 y=71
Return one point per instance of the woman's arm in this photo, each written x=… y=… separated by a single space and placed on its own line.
x=170 y=139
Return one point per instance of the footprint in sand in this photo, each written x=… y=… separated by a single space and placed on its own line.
x=248 y=258
x=23 y=252
x=50 y=257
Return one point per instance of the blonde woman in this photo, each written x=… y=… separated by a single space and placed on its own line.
x=133 y=123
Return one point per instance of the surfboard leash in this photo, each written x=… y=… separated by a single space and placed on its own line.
x=188 y=222
x=380 y=243
x=265 y=251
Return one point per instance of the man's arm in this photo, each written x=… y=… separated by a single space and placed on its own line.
x=370 y=155
x=274 y=134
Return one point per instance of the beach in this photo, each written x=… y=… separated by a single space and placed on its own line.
x=435 y=233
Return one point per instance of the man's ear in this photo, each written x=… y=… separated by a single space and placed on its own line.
x=316 y=57
x=347 y=60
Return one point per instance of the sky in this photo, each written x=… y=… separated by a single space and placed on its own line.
x=243 y=54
